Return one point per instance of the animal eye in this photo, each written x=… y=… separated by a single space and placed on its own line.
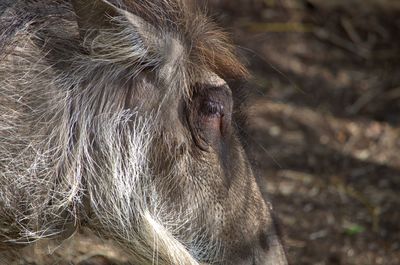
x=210 y=113
x=211 y=108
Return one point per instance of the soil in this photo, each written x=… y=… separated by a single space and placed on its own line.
x=324 y=126
x=325 y=122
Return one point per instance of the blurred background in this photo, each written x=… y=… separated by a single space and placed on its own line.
x=325 y=121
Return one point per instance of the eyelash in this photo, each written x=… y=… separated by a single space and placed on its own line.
x=211 y=108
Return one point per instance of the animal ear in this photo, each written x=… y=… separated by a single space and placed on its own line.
x=93 y=14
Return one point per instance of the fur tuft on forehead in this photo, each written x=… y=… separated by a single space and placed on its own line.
x=207 y=47
x=213 y=50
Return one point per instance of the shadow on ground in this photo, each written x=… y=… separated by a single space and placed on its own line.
x=325 y=121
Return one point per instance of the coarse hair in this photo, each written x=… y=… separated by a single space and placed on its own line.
x=69 y=134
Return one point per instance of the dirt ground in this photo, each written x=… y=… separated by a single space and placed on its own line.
x=324 y=125
x=325 y=122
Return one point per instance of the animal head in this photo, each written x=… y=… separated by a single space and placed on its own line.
x=136 y=112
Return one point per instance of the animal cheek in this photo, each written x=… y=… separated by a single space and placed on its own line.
x=210 y=130
x=213 y=125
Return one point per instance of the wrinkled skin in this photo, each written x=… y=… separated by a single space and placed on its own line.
x=141 y=134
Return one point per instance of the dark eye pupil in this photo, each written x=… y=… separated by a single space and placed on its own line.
x=211 y=108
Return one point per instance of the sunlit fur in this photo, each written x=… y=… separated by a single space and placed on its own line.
x=77 y=148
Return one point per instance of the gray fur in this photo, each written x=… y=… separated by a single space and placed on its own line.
x=91 y=133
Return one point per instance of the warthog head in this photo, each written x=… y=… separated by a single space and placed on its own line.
x=123 y=116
